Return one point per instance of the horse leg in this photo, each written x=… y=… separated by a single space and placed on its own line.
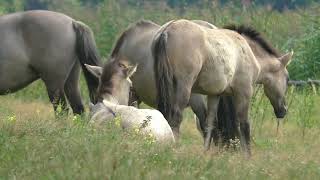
x=212 y=121
x=180 y=103
x=72 y=90
x=227 y=122
x=242 y=102
x=197 y=103
x=57 y=99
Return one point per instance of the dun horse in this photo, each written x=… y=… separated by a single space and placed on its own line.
x=114 y=98
x=190 y=58
x=48 y=46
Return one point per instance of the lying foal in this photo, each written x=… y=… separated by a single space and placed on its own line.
x=113 y=96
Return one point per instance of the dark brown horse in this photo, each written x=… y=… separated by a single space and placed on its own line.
x=49 y=46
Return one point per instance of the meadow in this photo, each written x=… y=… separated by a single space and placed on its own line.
x=36 y=145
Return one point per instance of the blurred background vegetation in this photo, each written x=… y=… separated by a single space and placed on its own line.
x=287 y=24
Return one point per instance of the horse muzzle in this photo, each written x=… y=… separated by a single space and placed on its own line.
x=281 y=112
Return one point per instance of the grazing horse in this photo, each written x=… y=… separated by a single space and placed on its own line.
x=114 y=98
x=191 y=58
x=49 y=46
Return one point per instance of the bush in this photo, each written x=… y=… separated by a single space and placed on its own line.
x=307 y=57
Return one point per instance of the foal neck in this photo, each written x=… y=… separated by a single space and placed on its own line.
x=111 y=99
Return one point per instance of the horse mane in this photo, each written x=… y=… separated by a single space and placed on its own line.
x=131 y=28
x=255 y=36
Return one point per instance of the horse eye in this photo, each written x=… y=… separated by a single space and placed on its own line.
x=122 y=65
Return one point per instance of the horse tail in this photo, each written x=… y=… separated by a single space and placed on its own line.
x=164 y=76
x=87 y=53
x=227 y=122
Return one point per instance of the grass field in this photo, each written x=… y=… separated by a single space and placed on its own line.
x=35 y=145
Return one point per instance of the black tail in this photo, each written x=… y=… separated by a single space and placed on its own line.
x=164 y=76
x=87 y=53
x=227 y=122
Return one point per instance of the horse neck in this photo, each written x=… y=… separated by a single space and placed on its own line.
x=257 y=50
x=116 y=108
x=263 y=58
x=111 y=99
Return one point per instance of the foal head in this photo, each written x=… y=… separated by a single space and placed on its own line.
x=114 y=80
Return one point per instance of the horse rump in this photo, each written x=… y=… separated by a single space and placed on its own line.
x=163 y=75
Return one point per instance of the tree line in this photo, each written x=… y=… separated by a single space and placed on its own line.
x=279 y=5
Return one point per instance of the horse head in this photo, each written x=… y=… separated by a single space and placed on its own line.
x=276 y=83
x=114 y=81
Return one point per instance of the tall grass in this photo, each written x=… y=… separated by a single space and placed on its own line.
x=35 y=145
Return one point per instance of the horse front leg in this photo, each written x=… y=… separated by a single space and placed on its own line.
x=213 y=102
x=242 y=102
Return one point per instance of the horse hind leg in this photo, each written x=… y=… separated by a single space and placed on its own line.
x=180 y=103
x=72 y=90
x=212 y=121
x=57 y=98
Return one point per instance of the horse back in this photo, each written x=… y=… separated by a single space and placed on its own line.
x=39 y=37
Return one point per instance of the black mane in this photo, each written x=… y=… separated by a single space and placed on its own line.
x=255 y=36
x=141 y=23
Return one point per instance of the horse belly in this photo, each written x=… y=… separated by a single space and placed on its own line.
x=15 y=71
x=15 y=75
x=215 y=77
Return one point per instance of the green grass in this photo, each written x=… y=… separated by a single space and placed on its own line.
x=35 y=145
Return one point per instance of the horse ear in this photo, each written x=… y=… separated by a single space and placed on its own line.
x=286 y=59
x=94 y=70
x=131 y=70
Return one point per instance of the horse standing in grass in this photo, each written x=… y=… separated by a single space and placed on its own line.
x=49 y=46
x=190 y=58
x=113 y=99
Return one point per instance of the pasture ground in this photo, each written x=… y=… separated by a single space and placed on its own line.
x=35 y=145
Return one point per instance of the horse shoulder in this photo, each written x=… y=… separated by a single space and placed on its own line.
x=247 y=66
